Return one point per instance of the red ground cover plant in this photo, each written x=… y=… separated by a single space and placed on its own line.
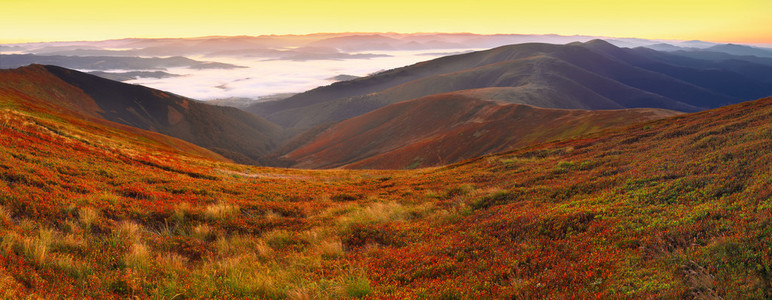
x=678 y=207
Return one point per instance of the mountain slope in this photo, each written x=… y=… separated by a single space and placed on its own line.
x=674 y=208
x=447 y=128
x=604 y=81
x=539 y=81
x=233 y=133
x=734 y=78
x=37 y=108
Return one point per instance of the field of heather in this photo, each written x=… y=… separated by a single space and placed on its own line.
x=673 y=208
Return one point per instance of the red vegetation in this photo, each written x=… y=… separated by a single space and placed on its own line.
x=674 y=208
x=447 y=128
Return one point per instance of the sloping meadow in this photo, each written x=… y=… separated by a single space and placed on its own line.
x=678 y=207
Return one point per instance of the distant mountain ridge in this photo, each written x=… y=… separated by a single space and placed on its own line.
x=10 y=61
x=584 y=75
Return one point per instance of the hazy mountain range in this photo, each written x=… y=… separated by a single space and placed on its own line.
x=592 y=75
x=289 y=63
x=109 y=62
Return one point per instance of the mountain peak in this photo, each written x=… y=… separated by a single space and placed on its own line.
x=600 y=44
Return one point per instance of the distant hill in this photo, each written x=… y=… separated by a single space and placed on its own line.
x=741 y=50
x=358 y=42
x=447 y=128
x=578 y=75
x=233 y=133
x=11 y=61
x=126 y=76
x=240 y=102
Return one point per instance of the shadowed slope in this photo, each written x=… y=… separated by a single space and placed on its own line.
x=28 y=93
x=446 y=128
x=231 y=132
x=540 y=81
x=732 y=77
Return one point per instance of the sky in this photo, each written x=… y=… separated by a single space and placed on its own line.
x=739 y=21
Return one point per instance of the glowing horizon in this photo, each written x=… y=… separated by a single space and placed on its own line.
x=740 y=21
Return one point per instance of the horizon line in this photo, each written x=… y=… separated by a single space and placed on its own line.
x=21 y=42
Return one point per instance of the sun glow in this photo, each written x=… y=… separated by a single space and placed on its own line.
x=53 y=20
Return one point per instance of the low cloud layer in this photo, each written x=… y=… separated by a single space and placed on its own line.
x=264 y=77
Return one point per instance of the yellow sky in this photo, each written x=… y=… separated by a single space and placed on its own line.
x=746 y=21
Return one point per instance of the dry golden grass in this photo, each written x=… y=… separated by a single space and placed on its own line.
x=262 y=249
x=331 y=249
x=221 y=211
x=172 y=262
x=5 y=215
x=72 y=241
x=37 y=248
x=129 y=232
x=9 y=287
x=180 y=211
x=27 y=225
x=203 y=232
x=375 y=213
x=87 y=216
x=71 y=266
x=223 y=246
x=9 y=241
x=271 y=215
x=138 y=257
x=301 y=293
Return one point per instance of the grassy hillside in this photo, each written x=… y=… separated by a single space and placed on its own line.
x=233 y=133
x=447 y=128
x=33 y=91
x=678 y=207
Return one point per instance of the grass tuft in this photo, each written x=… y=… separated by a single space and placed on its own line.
x=221 y=211
x=138 y=257
x=203 y=232
x=331 y=249
x=88 y=216
x=5 y=215
x=129 y=232
x=72 y=267
x=357 y=286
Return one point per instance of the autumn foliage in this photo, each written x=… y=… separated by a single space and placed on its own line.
x=678 y=207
